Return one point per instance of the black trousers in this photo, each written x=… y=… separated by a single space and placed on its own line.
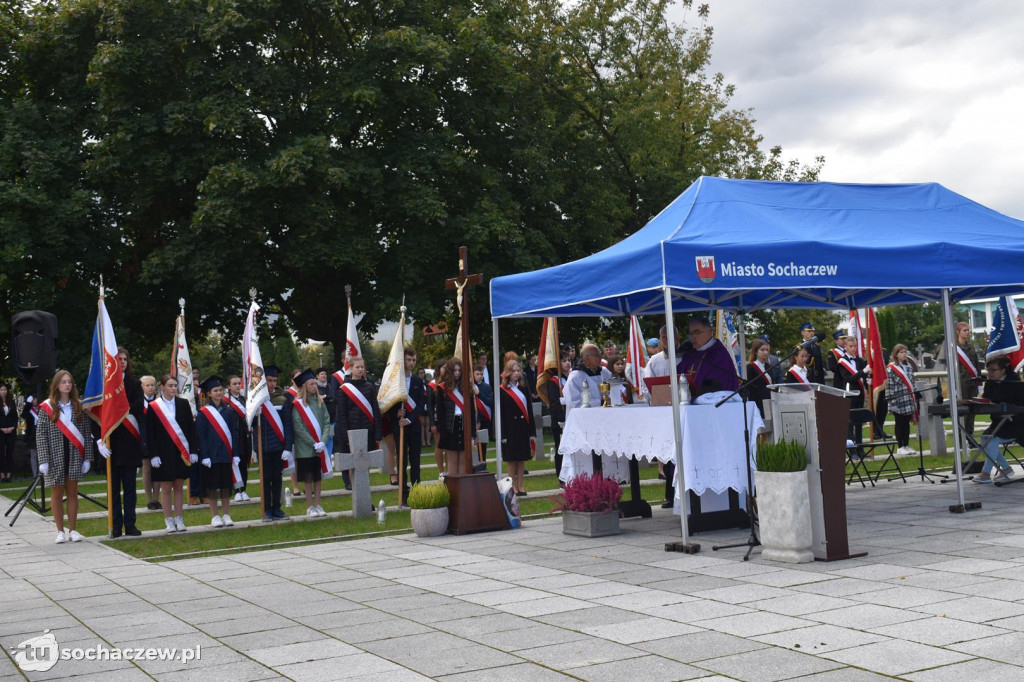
x=7 y=452
x=122 y=479
x=413 y=448
x=272 y=468
x=902 y=429
x=245 y=459
x=670 y=481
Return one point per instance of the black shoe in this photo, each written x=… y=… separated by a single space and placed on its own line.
x=525 y=472
x=668 y=505
x=115 y=534
x=661 y=477
x=133 y=531
x=348 y=486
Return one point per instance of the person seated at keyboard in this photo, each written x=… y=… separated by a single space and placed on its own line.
x=998 y=370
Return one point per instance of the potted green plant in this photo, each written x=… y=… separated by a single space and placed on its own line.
x=589 y=506
x=783 y=502
x=429 y=508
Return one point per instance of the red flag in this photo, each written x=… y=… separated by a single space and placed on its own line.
x=876 y=361
x=105 y=399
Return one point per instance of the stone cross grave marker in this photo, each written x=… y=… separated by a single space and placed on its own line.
x=360 y=460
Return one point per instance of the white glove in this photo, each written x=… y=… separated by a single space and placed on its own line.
x=193 y=458
x=104 y=450
x=207 y=462
x=236 y=461
x=286 y=456
x=31 y=399
x=319 y=446
x=155 y=462
x=86 y=465
x=44 y=468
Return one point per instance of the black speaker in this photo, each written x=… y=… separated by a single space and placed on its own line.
x=34 y=344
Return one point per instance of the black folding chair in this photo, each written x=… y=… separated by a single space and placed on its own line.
x=853 y=455
x=863 y=416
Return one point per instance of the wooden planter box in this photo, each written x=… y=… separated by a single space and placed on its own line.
x=590 y=524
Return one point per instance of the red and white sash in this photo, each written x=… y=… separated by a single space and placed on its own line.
x=905 y=380
x=838 y=353
x=797 y=375
x=173 y=430
x=432 y=384
x=966 y=362
x=767 y=379
x=409 y=405
x=132 y=424
x=340 y=376
x=356 y=396
x=35 y=414
x=274 y=419
x=66 y=426
x=307 y=417
x=220 y=427
x=236 y=405
x=292 y=391
x=517 y=398
x=484 y=410
x=456 y=397
x=848 y=365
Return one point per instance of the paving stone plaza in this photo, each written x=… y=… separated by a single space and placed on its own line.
x=939 y=597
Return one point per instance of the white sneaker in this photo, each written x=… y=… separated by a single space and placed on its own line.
x=238 y=497
x=217 y=522
x=245 y=496
x=311 y=511
x=170 y=524
x=179 y=523
x=61 y=538
x=75 y=536
x=227 y=520
x=320 y=511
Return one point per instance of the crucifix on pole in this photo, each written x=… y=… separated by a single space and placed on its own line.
x=462 y=303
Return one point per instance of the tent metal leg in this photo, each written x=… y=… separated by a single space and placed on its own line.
x=495 y=373
x=954 y=391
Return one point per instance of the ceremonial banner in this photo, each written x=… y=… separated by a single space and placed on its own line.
x=252 y=369
x=855 y=332
x=392 y=384
x=876 y=361
x=725 y=331
x=636 y=357
x=105 y=399
x=181 y=363
x=352 y=349
x=548 y=358
x=1007 y=334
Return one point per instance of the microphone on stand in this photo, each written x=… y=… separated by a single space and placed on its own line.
x=817 y=338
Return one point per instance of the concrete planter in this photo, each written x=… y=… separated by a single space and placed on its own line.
x=784 y=511
x=590 y=524
x=430 y=523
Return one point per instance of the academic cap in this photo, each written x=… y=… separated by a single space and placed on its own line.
x=211 y=383
x=302 y=377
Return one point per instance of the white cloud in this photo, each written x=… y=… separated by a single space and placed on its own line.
x=886 y=91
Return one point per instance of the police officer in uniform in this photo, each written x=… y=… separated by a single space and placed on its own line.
x=815 y=365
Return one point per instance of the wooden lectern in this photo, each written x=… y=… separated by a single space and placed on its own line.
x=817 y=417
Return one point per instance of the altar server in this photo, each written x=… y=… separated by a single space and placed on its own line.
x=217 y=427
x=171 y=446
x=64 y=450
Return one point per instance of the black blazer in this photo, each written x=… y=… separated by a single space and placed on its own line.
x=159 y=443
x=127 y=450
x=349 y=416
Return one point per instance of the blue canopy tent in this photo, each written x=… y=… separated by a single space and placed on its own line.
x=745 y=245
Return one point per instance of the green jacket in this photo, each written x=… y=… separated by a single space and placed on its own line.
x=304 y=440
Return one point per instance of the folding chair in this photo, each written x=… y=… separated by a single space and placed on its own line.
x=1010 y=454
x=886 y=443
x=853 y=454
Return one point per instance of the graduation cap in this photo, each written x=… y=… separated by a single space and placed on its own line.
x=271 y=370
x=211 y=383
x=302 y=377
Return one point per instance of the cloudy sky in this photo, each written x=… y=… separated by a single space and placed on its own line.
x=887 y=90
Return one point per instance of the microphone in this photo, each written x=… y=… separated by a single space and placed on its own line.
x=817 y=338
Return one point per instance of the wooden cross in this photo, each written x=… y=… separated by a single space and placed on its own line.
x=360 y=460
x=462 y=303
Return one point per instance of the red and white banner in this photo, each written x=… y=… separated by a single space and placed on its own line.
x=636 y=356
x=256 y=393
x=173 y=429
x=876 y=361
x=356 y=396
x=352 y=349
x=181 y=363
x=855 y=332
x=105 y=398
x=66 y=426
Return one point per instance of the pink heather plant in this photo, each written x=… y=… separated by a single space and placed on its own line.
x=587 y=493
